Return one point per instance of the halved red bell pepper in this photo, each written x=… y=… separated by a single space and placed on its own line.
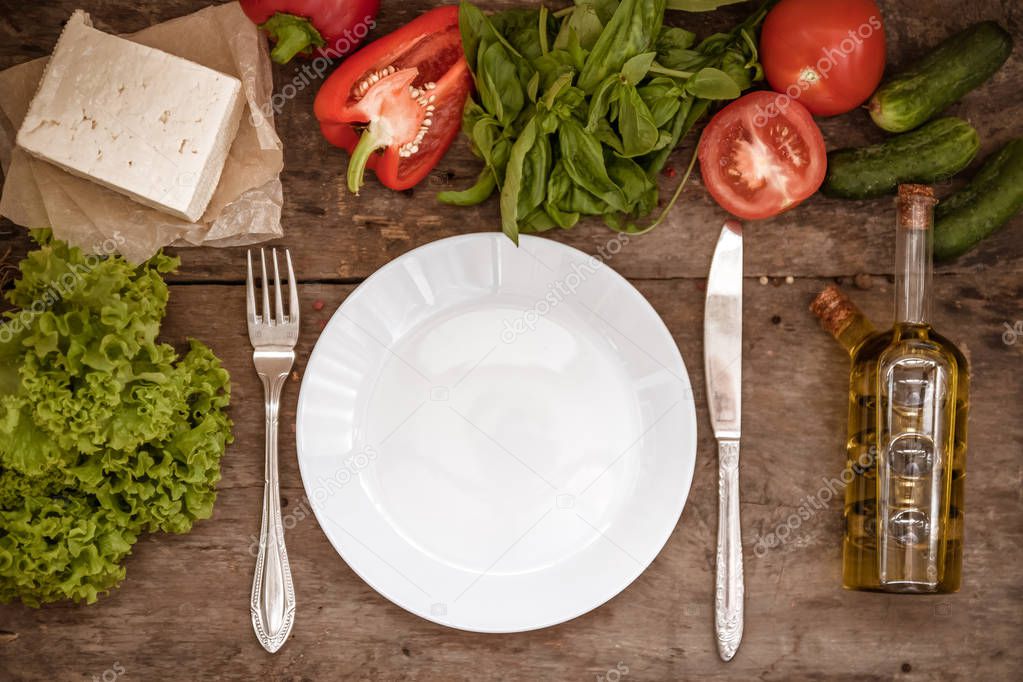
x=326 y=28
x=396 y=104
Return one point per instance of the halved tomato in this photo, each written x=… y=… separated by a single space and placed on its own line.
x=760 y=156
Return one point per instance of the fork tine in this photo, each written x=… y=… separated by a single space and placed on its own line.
x=267 y=316
x=292 y=290
x=278 y=303
x=250 y=292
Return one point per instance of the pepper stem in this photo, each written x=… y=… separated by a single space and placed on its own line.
x=477 y=194
x=360 y=156
x=291 y=34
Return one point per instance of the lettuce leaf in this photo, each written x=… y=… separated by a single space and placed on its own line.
x=104 y=432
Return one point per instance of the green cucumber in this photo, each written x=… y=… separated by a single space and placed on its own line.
x=955 y=67
x=993 y=196
x=937 y=151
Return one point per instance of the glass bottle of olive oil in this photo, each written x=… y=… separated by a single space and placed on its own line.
x=840 y=317
x=906 y=446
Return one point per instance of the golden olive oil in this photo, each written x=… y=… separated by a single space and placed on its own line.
x=906 y=443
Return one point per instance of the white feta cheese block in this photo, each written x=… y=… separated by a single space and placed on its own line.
x=142 y=122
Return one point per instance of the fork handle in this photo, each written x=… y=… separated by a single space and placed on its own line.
x=273 y=592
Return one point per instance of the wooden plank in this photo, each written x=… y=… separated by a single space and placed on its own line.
x=339 y=237
x=182 y=612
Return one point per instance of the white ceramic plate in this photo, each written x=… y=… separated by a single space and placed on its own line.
x=496 y=438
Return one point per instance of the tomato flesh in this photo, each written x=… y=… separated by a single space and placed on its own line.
x=756 y=164
x=828 y=54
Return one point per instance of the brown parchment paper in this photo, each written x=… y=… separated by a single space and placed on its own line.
x=246 y=206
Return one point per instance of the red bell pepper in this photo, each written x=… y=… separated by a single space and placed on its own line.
x=396 y=104
x=325 y=28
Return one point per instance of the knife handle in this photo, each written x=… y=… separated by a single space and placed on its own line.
x=729 y=593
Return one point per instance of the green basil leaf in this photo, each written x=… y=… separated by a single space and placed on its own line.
x=634 y=70
x=533 y=87
x=605 y=9
x=520 y=28
x=502 y=92
x=513 y=181
x=581 y=202
x=559 y=185
x=576 y=53
x=537 y=220
x=600 y=103
x=533 y=182
x=472 y=113
x=715 y=43
x=635 y=123
x=471 y=24
x=584 y=162
x=711 y=83
x=663 y=97
x=639 y=189
x=560 y=218
x=688 y=114
x=687 y=61
x=674 y=49
x=700 y=5
x=736 y=65
x=498 y=158
x=552 y=66
x=631 y=31
x=482 y=136
x=674 y=38
x=566 y=103
x=606 y=135
x=584 y=22
x=566 y=201
x=488 y=91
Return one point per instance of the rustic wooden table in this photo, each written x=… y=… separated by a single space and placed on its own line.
x=182 y=613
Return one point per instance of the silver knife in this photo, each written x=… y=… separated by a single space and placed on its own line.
x=722 y=349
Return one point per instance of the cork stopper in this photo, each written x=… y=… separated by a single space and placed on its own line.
x=834 y=309
x=916 y=207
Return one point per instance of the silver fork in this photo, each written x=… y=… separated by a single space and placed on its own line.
x=273 y=336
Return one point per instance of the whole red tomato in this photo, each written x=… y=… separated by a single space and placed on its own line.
x=828 y=54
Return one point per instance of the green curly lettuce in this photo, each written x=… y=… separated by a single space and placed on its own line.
x=104 y=432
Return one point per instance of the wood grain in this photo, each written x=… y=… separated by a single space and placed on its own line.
x=338 y=237
x=182 y=612
x=183 y=606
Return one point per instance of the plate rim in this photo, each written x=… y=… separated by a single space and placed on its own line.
x=684 y=489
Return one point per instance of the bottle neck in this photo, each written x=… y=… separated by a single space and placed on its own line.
x=912 y=276
x=841 y=318
x=913 y=262
x=858 y=329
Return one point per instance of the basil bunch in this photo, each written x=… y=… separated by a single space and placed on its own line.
x=576 y=112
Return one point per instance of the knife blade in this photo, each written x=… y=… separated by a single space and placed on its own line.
x=722 y=347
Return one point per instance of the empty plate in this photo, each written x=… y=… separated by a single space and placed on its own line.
x=497 y=438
